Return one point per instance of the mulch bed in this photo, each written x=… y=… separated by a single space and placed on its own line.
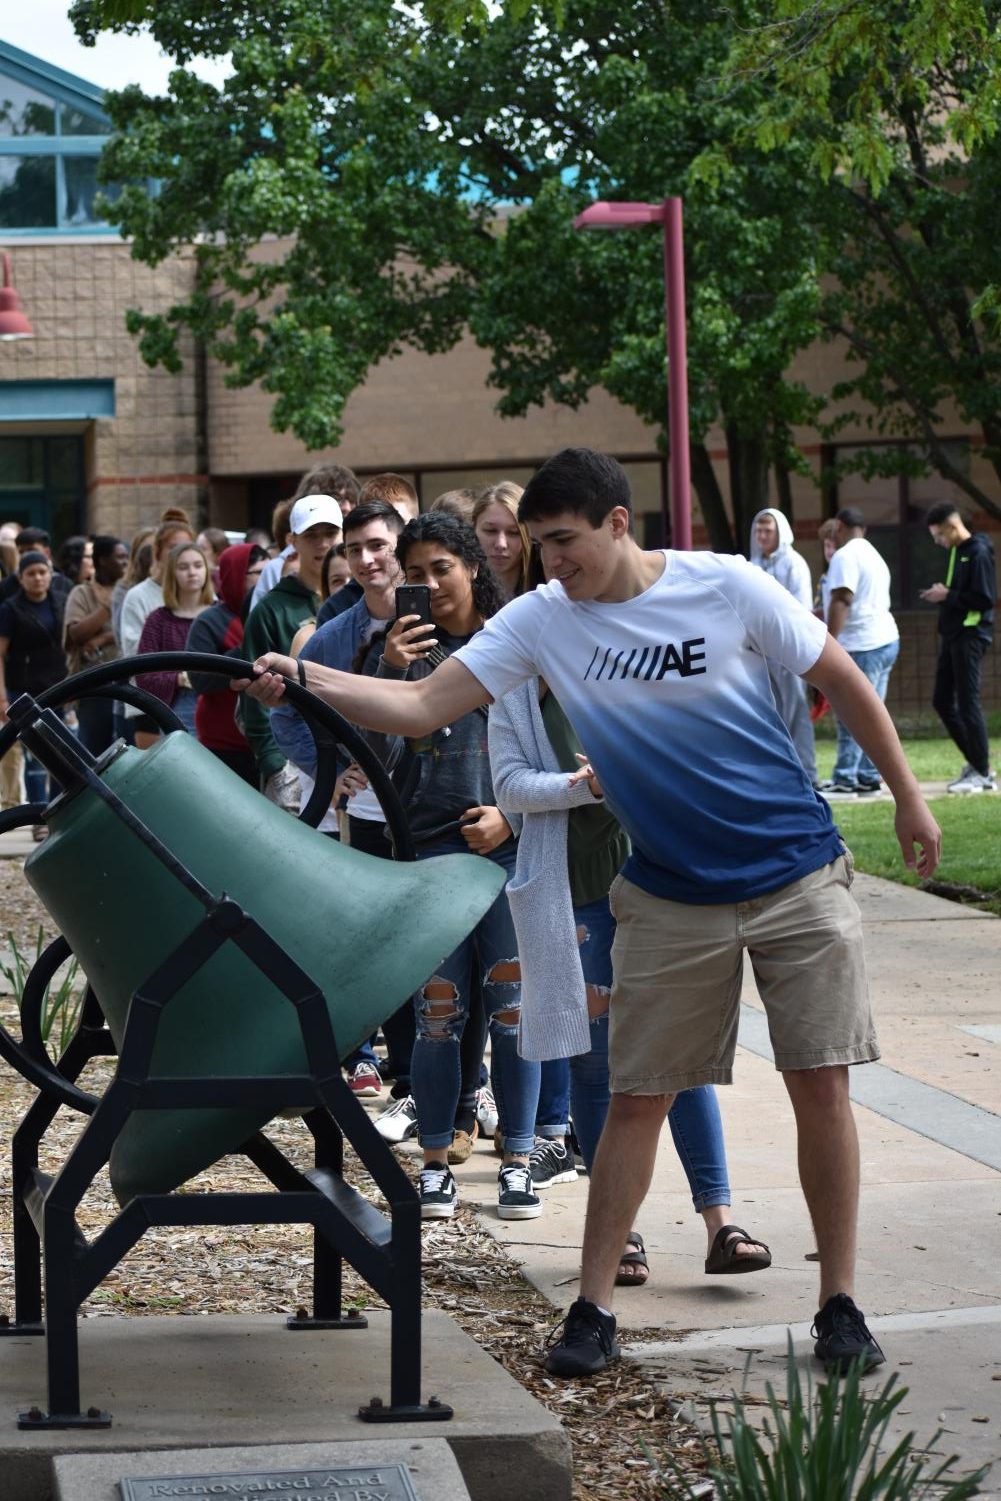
x=619 y=1423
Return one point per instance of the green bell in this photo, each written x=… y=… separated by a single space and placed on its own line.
x=369 y=932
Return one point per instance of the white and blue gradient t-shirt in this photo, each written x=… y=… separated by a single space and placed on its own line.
x=669 y=695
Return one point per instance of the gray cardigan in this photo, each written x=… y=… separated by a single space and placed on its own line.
x=527 y=779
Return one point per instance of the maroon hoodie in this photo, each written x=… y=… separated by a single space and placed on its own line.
x=219 y=629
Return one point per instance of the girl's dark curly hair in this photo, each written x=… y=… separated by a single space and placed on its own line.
x=461 y=541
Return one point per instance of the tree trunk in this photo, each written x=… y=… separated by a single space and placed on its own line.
x=748 y=461
x=710 y=499
x=783 y=486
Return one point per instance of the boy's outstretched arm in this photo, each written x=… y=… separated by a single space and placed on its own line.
x=385 y=704
x=858 y=706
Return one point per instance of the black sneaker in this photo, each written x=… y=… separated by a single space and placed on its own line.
x=869 y=789
x=550 y=1162
x=584 y=1344
x=838 y=791
x=516 y=1197
x=842 y=1337
x=438 y=1193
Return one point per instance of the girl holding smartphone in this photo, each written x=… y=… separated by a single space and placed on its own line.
x=446 y=787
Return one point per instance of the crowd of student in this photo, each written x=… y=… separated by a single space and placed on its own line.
x=511 y=783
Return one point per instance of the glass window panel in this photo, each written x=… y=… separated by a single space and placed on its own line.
x=20 y=510
x=21 y=464
x=23 y=112
x=926 y=564
x=644 y=484
x=65 y=463
x=877 y=495
x=925 y=489
x=64 y=518
x=76 y=122
x=81 y=190
x=27 y=192
x=887 y=542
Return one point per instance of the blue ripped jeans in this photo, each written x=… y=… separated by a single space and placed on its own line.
x=435 y=1076
x=694 y=1119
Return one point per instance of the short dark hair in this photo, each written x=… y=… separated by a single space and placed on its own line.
x=851 y=516
x=104 y=546
x=329 y=479
x=30 y=560
x=576 y=479
x=32 y=536
x=941 y=511
x=373 y=510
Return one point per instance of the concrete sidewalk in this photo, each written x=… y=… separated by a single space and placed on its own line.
x=929 y=1120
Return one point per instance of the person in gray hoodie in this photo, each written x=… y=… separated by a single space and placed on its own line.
x=772 y=550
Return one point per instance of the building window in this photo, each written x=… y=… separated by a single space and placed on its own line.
x=49 y=151
x=42 y=483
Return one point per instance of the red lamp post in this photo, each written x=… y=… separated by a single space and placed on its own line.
x=606 y=215
x=13 y=323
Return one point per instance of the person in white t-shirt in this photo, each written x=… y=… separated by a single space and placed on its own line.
x=858 y=616
x=659 y=661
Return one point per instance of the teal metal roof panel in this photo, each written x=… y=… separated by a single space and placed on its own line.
x=38 y=74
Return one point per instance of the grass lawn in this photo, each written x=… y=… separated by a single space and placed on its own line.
x=971 y=843
x=971 y=826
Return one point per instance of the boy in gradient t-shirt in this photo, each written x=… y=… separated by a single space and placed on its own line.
x=658 y=659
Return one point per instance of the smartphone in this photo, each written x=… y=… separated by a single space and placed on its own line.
x=414 y=599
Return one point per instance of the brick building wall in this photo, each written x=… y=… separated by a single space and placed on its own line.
x=151 y=453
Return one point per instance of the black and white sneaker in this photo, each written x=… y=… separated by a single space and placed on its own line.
x=550 y=1162
x=516 y=1197
x=398 y=1122
x=838 y=792
x=438 y=1193
x=843 y=1337
x=584 y=1344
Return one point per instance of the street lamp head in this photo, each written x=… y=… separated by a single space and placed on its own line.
x=13 y=323
x=610 y=215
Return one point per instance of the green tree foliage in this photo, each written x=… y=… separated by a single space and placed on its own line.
x=897 y=106
x=621 y=102
x=327 y=217
x=374 y=176
x=846 y=72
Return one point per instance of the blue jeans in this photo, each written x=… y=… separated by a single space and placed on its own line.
x=38 y=786
x=36 y=780
x=553 y=1110
x=694 y=1119
x=183 y=706
x=851 y=764
x=435 y=1072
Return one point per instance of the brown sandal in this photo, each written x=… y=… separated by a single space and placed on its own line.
x=634 y=1255
x=723 y=1260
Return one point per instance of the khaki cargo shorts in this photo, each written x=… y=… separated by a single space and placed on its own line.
x=678 y=969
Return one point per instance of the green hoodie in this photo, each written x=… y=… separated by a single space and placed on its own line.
x=271 y=626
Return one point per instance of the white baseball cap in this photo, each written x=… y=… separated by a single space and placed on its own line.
x=314 y=510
